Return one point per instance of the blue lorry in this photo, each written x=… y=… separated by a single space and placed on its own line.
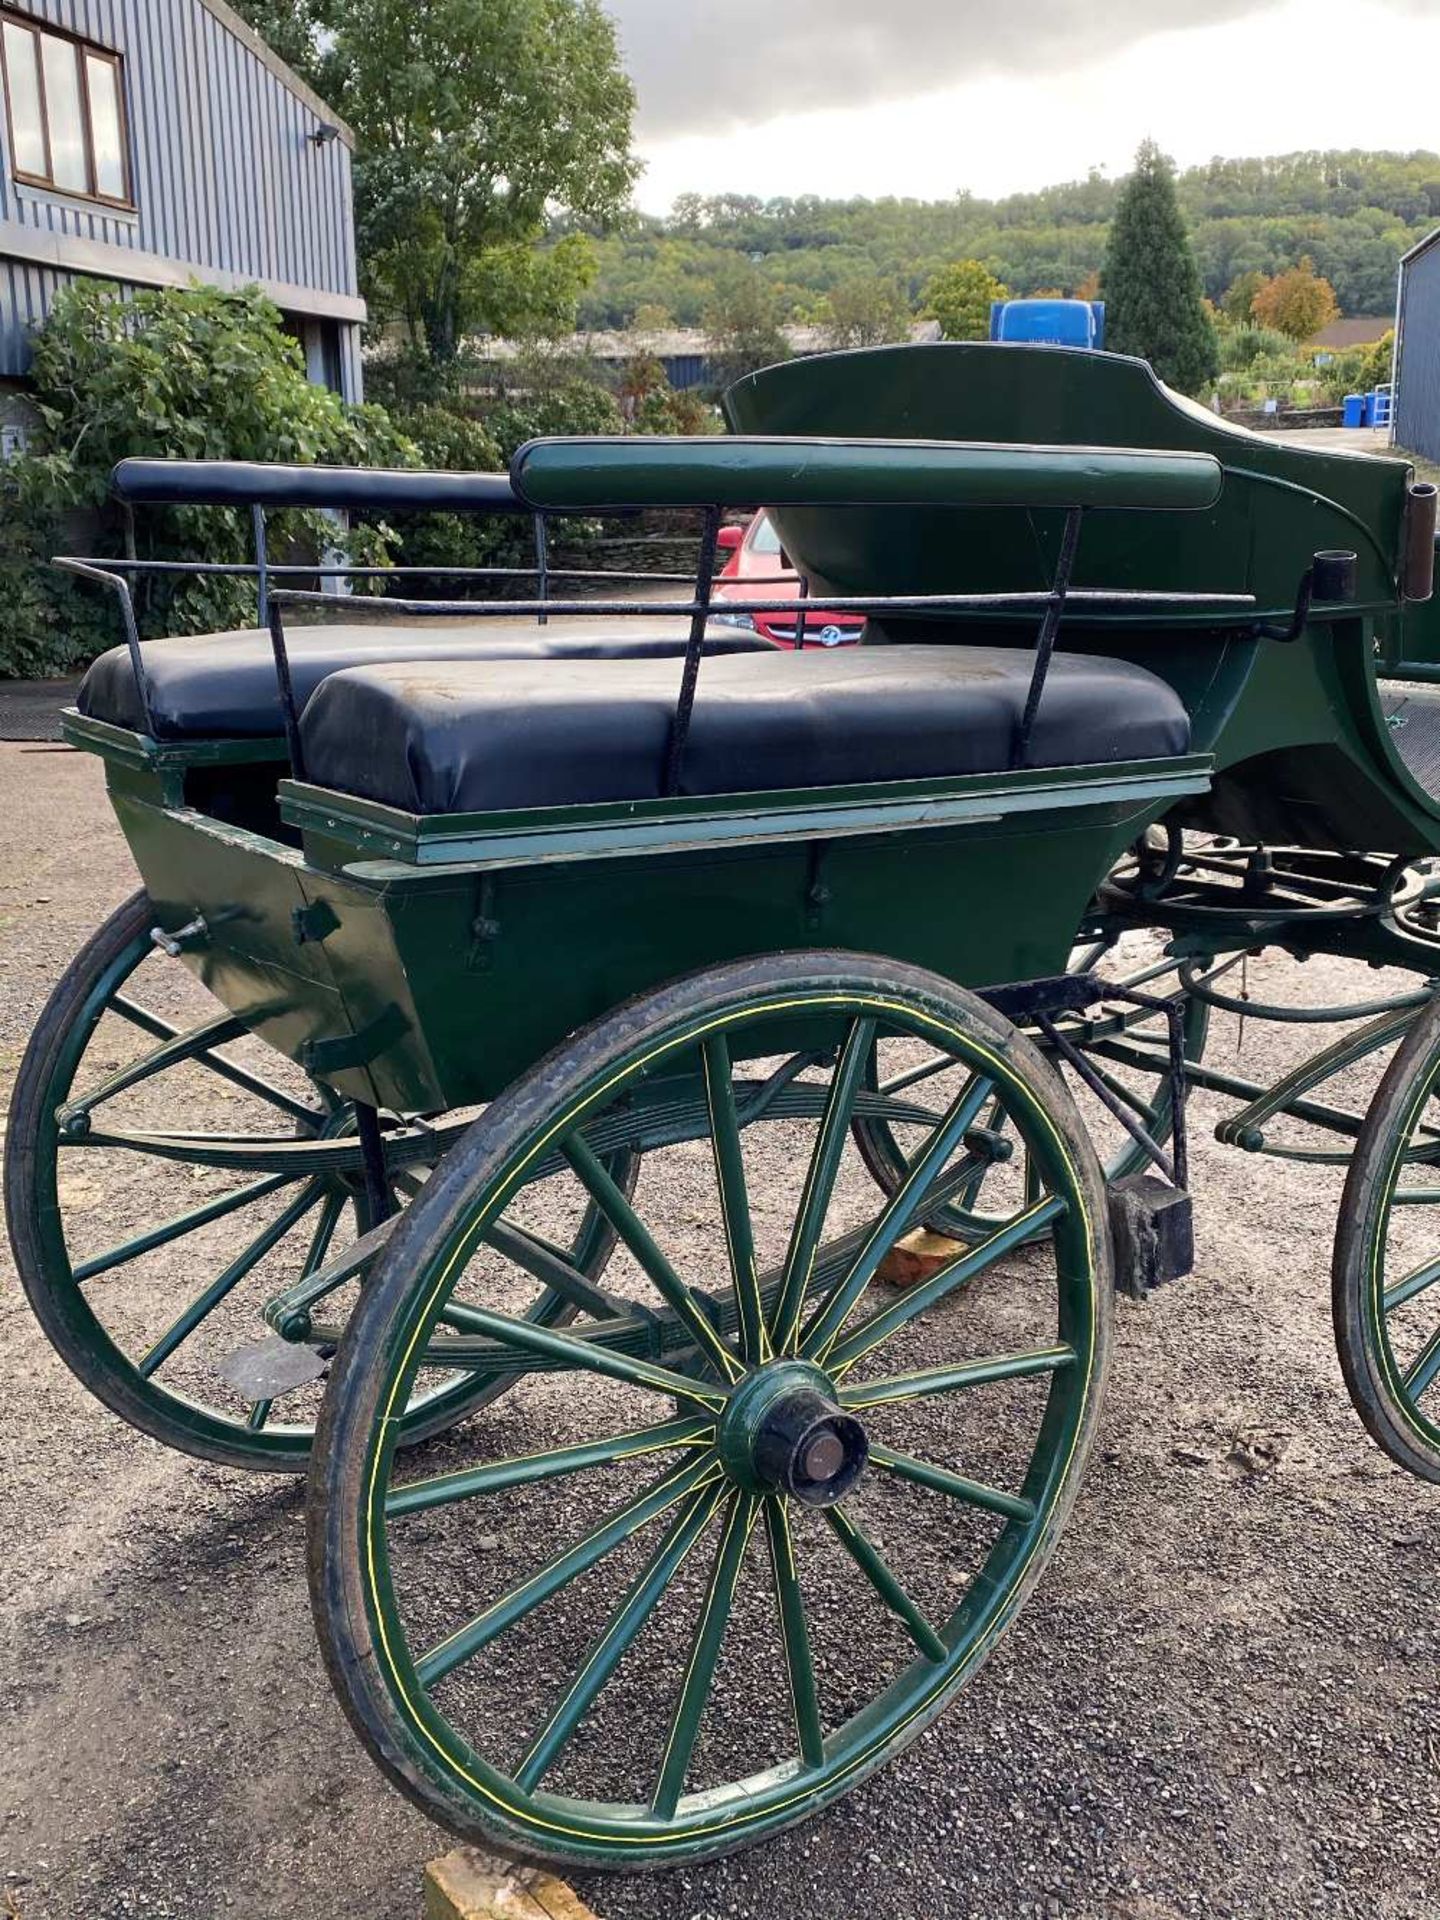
x=1060 y=323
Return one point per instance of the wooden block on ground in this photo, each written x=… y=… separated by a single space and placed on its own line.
x=470 y=1885
x=917 y=1257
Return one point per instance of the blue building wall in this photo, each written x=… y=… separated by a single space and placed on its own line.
x=228 y=184
x=1417 y=381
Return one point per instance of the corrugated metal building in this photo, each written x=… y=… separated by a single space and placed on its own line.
x=1417 y=350
x=155 y=142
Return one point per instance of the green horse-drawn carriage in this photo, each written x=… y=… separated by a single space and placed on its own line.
x=548 y=1030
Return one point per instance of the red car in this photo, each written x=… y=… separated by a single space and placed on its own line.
x=756 y=556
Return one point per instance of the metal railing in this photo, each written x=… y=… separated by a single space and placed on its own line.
x=207 y=483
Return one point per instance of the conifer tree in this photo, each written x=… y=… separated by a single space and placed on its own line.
x=1150 y=282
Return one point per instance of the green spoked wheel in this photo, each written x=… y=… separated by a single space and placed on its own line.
x=1386 y=1282
x=704 y=1571
x=1126 y=1047
x=185 y=1205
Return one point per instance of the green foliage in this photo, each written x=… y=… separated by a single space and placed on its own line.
x=1151 y=287
x=452 y=442
x=1354 y=213
x=1238 y=300
x=300 y=31
x=1358 y=369
x=1241 y=347
x=191 y=374
x=651 y=405
x=743 y=324
x=864 y=311
x=542 y=394
x=475 y=120
x=960 y=298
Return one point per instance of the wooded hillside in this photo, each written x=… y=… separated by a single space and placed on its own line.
x=1353 y=213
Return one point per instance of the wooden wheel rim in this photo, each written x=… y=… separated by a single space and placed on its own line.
x=76 y=1329
x=473 y=1795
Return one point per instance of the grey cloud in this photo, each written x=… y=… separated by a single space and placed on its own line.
x=701 y=66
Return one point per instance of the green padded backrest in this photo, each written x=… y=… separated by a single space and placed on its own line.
x=591 y=473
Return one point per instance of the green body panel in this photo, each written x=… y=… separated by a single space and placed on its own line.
x=422 y=963
x=1302 y=752
x=1305 y=757
x=1279 y=505
x=1410 y=640
x=584 y=475
x=449 y=980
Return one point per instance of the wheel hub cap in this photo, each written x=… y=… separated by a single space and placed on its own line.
x=783 y=1432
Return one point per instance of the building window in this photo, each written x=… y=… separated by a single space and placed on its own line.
x=66 y=107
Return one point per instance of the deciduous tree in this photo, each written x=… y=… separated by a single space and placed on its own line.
x=742 y=323
x=477 y=121
x=1238 y=300
x=960 y=297
x=1299 y=302
x=864 y=311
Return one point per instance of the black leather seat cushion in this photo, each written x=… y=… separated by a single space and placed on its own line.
x=222 y=685
x=476 y=736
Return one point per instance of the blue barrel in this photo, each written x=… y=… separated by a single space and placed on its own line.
x=1354 y=410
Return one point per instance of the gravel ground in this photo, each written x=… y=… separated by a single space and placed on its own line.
x=1222 y=1700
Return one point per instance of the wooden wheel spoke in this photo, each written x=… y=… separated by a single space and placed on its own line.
x=1422 y=1372
x=330 y=1216
x=940 y=1480
x=913 y=1076
x=419 y=1496
x=799 y=1667
x=689 y=1709
x=734 y=1197
x=1417 y=1281
x=547 y=1264
x=820 y=1181
x=898 y=1387
x=619 y=1636
x=170 y=1053
x=225 y=1283
x=866 y=1556
x=467 y=1641
x=570 y=1350
x=178 y=1227
x=238 y=1076
x=138 y=1016
x=959 y=1272
x=908 y=1202
x=605 y=1192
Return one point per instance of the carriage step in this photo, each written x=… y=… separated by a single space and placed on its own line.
x=1152 y=1226
x=267 y=1368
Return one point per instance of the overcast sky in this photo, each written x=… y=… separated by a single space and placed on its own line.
x=926 y=97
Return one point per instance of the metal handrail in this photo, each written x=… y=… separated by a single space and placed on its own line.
x=1109 y=481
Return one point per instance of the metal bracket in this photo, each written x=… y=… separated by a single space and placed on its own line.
x=1025 y=1001
x=321 y=1058
x=317 y=921
x=1331 y=578
x=818 y=893
x=484 y=928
